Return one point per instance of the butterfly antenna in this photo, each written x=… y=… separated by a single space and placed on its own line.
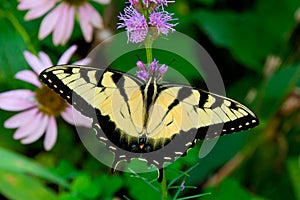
x=138 y=57
x=172 y=61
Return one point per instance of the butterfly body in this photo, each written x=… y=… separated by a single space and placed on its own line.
x=133 y=117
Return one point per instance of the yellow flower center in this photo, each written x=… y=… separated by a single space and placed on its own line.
x=75 y=2
x=49 y=102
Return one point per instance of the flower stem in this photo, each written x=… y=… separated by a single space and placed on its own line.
x=163 y=187
x=148 y=46
x=144 y=10
x=163 y=184
x=20 y=29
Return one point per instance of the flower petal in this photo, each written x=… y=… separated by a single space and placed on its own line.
x=28 y=76
x=85 y=25
x=39 y=11
x=69 y=25
x=51 y=134
x=102 y=1
x=15 y=104
x=72 y=116
x=59 y=29
x=45 y=60
x=64 y=59
x=94 y=17
x=37 y=133
x=20 y=119
x=49 y=22
x=29 y=128
x=81 y=120
x=84 y=61
x=18 y=93
x=33 y=61
x=17 y=100
x=67 y=115
x=29 y=4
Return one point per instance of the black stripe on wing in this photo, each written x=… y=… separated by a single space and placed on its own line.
x=53 y=77
x=56 y=78
x=234 y=116
x=244 y=117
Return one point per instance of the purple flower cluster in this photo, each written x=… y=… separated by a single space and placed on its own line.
x=154 y=3
x=135 y=24
x=139 y=18
x=153 y=70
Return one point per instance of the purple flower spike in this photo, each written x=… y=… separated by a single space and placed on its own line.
x=157 y=2
x=151 y=70
x=135 y=25
x=134 y=2
x=143 y=74
x=140 y=65
x=164 y=2
x=153 y=66
x=146 y=3
x=163 y=69
x=160 y=21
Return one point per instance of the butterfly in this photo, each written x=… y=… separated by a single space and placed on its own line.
x=135 y=118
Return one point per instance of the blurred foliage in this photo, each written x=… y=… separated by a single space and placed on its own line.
x=255 y=44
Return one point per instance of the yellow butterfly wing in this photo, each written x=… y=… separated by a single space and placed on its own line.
x=170 y=120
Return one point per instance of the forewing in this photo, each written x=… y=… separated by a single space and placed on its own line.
x=99 y=94
x=184 y=109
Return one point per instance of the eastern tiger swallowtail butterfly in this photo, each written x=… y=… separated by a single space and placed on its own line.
x=133 y=117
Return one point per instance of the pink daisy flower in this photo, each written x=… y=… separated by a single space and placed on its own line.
x=61 y=19
x=40 y=107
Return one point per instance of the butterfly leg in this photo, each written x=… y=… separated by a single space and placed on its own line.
x=160 y=174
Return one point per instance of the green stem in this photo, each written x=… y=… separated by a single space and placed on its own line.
x=163 y=187
x=148 y=46
x=20 y=29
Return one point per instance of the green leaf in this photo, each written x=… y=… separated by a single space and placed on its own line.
x=14 y=40
x=235 y=32
x=15 y=163
x=84 y=186
x=16 y=186
x=229 y=189
x=252 y=35
x=279 y=84
x=140 y=190
x=294 y=171
x=110 y=184
x=276 y=89
x=67 y=196
x=207 y=2
x=227 y=146
x=268 y=12
x=11 y=51
x=65 y=169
